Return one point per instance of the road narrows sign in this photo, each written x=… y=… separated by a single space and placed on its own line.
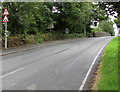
x=5 y=19
x=6 y=12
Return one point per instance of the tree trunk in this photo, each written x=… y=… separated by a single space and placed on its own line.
x=84 y=32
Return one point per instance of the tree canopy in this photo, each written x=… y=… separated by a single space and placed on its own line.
x=35 y=17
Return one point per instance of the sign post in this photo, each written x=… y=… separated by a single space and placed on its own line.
x=6 y=35
x=5 y=20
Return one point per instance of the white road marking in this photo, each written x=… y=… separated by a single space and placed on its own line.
x=86 y=77
x=12 y=72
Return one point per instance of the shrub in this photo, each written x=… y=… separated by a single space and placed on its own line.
x=98 y=29
x=38 y=38
x=75 y=35
x=105 y=26
x=13 y=41
x=30 y=39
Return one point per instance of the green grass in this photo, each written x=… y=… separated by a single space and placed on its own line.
x=109 y=70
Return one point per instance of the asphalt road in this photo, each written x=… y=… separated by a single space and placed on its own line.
x=61 y=66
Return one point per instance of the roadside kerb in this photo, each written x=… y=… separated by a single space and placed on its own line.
x=30 y=47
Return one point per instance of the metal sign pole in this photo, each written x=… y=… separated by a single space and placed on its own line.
x=5 y=35
x=5 y=20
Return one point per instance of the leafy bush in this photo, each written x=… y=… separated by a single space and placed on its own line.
x=30 y=39
x=75 y=35
x=98 y=29
x=117 y=21
x=38 y=38
x=13 y=41
x=105 y=26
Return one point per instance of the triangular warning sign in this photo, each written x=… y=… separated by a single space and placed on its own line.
x=5 y=19
x=6 y=12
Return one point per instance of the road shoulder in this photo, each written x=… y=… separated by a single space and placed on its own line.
x=33 y=46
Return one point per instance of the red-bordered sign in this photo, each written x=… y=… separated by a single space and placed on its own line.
x=5 y=19
x=6 y=12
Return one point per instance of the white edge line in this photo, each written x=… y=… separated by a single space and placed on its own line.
x=86 y=77
x=12 y=72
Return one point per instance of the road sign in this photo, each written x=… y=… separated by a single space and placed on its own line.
x=5 y=19
x=6 y=12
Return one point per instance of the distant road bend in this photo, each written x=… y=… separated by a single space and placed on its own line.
x=61 y=66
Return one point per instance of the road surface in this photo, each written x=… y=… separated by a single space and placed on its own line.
x=61 y=66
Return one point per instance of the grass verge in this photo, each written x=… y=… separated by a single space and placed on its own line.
x=109 y=69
